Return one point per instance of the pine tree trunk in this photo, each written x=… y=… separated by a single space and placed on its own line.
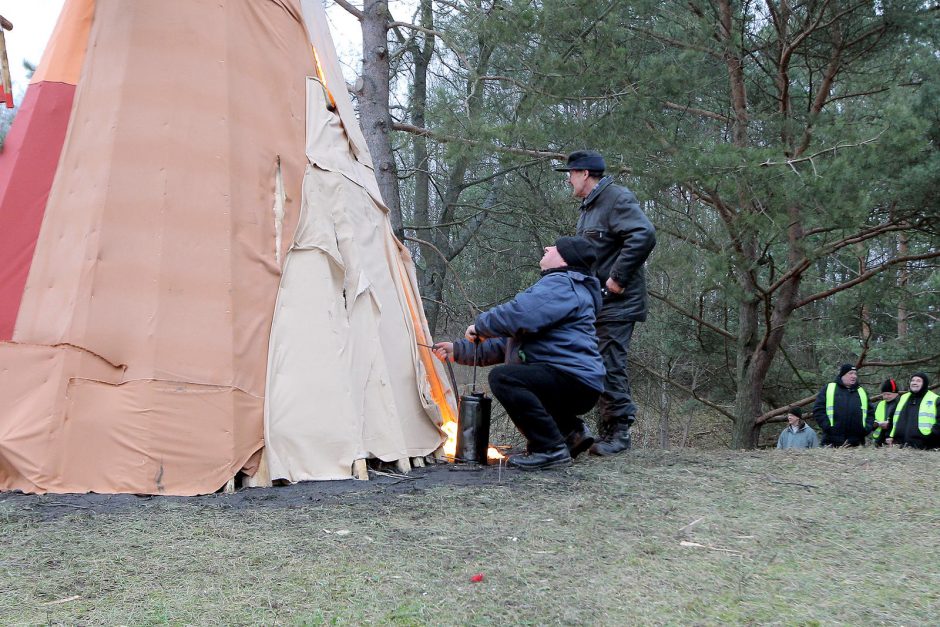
x=374 y=111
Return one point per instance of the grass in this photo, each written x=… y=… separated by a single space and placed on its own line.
x=796 y=538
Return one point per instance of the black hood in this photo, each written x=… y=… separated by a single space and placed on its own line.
x=926 y=386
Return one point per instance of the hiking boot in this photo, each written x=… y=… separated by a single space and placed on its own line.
x=557 y=457
x=579 y=440
x=617 y=441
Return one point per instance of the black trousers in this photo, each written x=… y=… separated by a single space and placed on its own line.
x=616 y=405
x=542 y=401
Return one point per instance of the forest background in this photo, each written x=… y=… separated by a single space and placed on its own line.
x=788 y=154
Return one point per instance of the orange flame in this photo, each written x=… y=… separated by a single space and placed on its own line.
x=450 y=446
x=322 y=76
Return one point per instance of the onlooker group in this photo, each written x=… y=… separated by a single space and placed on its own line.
x=845 y=415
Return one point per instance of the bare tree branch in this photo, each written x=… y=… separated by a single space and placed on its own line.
x=542 y=154
x=690 y=391
x=351 y=9
x=791 y=162
x=909 y=362
x=865 y=276
x=691 y=315
x=474 y=309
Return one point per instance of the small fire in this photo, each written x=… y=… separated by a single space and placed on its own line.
x=450 y=446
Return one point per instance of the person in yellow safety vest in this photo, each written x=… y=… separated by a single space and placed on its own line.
x=915 y=417
x=842 y=410
x=884 y=411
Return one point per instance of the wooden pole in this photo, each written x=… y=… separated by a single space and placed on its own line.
x=6 y=82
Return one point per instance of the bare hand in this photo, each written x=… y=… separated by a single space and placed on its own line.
x=883 y=425
x=444 y=351
x=613 y=287
x=471 y=334
x=889 y=441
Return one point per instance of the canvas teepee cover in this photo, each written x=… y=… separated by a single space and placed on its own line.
x=195 y=262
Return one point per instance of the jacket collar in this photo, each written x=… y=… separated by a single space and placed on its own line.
x=601 y=186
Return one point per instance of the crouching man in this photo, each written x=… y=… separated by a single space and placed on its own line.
x=552 y=371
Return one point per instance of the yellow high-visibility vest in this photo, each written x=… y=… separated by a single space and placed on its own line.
x=831 y=403
x=926 y=413
x=880 y=410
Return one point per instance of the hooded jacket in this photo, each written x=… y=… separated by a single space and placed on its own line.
x=624 y=237
x=906 y=431
x=804 y=437
x=552 y=323
x=847 y=428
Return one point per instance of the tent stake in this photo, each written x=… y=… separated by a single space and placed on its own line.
x=361 y=470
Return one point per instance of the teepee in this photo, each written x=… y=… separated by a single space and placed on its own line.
x=197 y=274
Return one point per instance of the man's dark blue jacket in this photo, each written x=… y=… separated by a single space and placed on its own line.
x=551 y=323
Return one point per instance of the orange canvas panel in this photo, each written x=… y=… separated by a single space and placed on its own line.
x=166 y=186
x=139 y=354
x=27 y=168
x=64 y=55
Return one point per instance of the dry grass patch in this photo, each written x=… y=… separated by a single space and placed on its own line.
x=649 y=538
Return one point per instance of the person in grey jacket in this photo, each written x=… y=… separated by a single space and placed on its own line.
x=624 y=237
x=545 y=339
x=797 y=434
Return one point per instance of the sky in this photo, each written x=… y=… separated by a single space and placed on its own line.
x=33 y=21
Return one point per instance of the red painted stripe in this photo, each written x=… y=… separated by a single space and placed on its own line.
x=27 y=167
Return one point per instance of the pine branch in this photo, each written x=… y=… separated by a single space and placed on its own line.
x=702 y=112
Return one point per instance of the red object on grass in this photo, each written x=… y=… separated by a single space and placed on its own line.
x=477 y=578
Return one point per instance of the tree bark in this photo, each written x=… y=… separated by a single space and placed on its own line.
x=375 y=114
x=903 y=279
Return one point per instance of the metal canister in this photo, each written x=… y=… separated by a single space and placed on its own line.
x=473 y=428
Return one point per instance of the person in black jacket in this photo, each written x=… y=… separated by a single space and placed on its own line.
x=624 y=237
x=842 y=410
x=915 y=417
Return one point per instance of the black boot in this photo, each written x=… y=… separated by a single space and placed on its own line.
x=556 y=457
x=616 y=441
x=579 y=440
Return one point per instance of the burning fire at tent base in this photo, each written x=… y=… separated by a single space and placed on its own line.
x=468 y=439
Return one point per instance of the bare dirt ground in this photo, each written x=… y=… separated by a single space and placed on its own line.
x=652 y=537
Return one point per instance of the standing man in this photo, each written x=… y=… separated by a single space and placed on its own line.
x=842 y=410
x=915 y=417
x=623 y=237
x=798 y=434
x=884 y=411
